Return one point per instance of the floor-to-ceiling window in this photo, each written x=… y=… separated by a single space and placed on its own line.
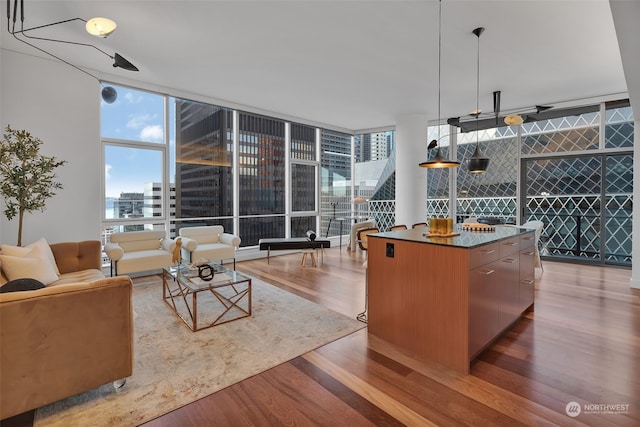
x=576 y=169
x=578 y=179
x=336 y=165
x=172 y=163
x=492 y=193
x=261 y=146
x=304 y=176
x=135 y=148
x=374 y=177
x=202 y=165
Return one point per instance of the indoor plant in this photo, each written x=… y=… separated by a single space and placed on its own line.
x=28 y=178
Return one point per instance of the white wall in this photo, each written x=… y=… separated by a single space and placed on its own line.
x=61 y=106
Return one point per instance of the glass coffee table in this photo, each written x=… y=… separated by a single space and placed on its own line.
x=204 y=304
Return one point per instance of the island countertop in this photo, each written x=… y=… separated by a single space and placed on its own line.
x=466 y=239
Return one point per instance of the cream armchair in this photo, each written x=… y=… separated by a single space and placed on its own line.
x=134 y=251
x=208 y=242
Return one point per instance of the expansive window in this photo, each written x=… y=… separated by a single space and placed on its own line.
x=172 y=163
x=585 y=200
x=261 y=146
x=438 y=179
x=135 y=148
x=492 y=193
x=203 y=160
x=336 y=193
x=575 y=172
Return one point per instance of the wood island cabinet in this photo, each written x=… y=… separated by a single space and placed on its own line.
x=448 y=298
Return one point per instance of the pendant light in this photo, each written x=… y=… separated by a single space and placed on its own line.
x=478 y=163
x=100 y=27
x=439 y=161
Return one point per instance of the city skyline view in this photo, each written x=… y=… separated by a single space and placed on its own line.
x=134 y=116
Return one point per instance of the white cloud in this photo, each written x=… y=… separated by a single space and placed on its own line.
x=107 y=171
x=151 y=133
x=133 y=98
x=138 y=121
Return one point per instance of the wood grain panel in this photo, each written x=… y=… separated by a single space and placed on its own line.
x=418 y=298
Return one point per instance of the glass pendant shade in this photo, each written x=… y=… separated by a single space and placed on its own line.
x=100 y=27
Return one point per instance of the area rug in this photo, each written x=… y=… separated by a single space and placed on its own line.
x=174 y=366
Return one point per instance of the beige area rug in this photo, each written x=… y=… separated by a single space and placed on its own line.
x=174 y=366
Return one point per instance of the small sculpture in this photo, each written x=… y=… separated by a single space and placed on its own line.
x=176 y=251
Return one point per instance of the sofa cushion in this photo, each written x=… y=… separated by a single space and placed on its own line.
x=21 y=285
x=144 y=260
x=39 y=249
x=16 y=267
x=214 y=252
x=82 y=276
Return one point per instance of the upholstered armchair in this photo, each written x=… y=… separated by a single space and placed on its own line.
x=208 y=242
x=135 y=251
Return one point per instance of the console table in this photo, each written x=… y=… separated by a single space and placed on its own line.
x=292 y=243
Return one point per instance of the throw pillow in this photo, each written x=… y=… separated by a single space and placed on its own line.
x=16 y=267
x=38 y=249
x=21 y=285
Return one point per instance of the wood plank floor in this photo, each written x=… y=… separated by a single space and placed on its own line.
x=582 y=344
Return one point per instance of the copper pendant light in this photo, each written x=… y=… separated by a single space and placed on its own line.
x=439 y=160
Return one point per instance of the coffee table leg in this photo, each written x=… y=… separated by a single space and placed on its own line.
x=195 y=311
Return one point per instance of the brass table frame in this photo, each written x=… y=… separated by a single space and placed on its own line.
x=187 y=291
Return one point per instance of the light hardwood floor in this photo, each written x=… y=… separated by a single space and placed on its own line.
x=581 y=343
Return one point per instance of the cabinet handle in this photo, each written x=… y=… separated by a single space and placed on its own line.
x=528 y=282
x=488 y=252
x=529 y=253
x=487 y=272
x=527 y=238
x=510 y=243
x=510 y=260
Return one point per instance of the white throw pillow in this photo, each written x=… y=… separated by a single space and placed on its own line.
x=39 y=250
x=16 y=267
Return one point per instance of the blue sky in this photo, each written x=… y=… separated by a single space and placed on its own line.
x=135 y=116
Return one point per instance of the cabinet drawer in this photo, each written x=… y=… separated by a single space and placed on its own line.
x=508 y=246
x=483 y=255
x=527 y=240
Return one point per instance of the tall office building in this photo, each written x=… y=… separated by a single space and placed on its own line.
x=379 y=146
x=204 y=159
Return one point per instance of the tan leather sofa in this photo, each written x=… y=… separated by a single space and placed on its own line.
x=69 y=337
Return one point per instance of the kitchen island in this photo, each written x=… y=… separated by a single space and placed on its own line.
x=448 y=298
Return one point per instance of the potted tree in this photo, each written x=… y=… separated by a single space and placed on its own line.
x=27 y=177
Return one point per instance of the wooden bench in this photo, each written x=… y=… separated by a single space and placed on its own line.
x=292 y=243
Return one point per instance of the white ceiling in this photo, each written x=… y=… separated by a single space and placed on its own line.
x=349 y=64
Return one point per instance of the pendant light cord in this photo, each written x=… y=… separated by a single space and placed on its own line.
x=439 y=62
x=478 y=93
